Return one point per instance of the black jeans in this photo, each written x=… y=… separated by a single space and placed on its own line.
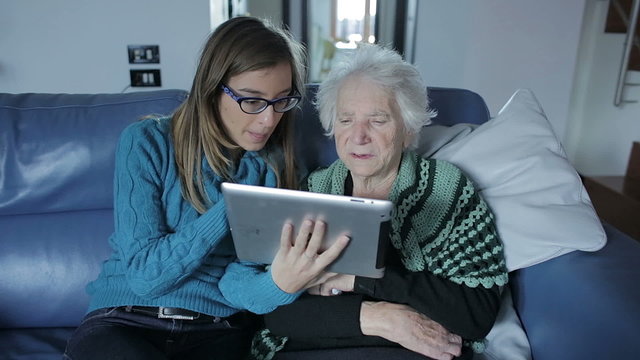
x=113 y=333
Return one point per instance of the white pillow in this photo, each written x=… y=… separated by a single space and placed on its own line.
x=507 y=339
x=542 y=209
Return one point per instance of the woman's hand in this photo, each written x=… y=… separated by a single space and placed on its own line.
x=334 y=285
x=300 y=265
x=409 y=328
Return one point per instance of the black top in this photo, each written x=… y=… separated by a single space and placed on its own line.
x=468 y=312
x=334 y=321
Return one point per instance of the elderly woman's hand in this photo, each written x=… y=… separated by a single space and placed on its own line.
x=409 y=328
x=334 y=285
x=300 y=265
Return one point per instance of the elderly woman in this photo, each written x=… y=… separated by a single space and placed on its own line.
x=440 y=293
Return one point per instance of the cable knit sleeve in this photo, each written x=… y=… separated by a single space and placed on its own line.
x=250 y=286
x=156 y=257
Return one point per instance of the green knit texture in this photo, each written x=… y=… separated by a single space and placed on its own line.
x=439 y=224
x=265 y=345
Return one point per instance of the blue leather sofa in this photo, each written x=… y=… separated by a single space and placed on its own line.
x=56 y=169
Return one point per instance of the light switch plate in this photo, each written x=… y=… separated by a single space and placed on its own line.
x=145 y=78
x=144 y=54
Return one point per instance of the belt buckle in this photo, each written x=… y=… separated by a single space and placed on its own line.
x=162 y=315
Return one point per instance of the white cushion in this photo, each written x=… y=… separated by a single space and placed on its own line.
x=507 y=339
x=542 y=209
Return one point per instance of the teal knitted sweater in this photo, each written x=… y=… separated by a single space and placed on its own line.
x=164 y=252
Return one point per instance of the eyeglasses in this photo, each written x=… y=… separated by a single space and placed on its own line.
x=256 y=105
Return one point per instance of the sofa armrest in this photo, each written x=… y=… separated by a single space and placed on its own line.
x=583 y=305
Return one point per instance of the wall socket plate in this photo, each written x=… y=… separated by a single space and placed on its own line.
x=144 y=54
x=145 y=77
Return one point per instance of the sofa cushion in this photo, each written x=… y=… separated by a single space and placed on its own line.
x=507 y=339
x=583 y=305
x=542 y=209
x=34 y=344
x=50 y=257
x=56 y=197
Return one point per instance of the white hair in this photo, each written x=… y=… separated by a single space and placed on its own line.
x=386 y=68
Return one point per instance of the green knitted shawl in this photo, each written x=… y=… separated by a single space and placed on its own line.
x=439 y=224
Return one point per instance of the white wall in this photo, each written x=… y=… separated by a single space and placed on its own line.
x=494 y=47
x=80 y=46
x=600 y=134
x=490 y=46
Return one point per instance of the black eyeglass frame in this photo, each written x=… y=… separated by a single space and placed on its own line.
x=267 y=103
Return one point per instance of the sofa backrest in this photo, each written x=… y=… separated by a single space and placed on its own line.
x=56 y=188
x=315 y=149
x=58 y=148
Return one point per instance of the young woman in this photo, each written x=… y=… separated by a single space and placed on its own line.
x=158 y=295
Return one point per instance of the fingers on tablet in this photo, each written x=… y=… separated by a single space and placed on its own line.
x=306 y=230
x=285 y=237
x=336 y=248
x=316 y=237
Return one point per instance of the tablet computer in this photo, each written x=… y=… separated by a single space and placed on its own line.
x=256 y=215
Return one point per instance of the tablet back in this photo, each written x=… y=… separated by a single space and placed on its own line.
x=256 y=215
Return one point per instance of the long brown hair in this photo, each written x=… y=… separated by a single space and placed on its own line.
x=238 y=45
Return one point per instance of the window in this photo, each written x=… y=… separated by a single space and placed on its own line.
x=337 y=26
